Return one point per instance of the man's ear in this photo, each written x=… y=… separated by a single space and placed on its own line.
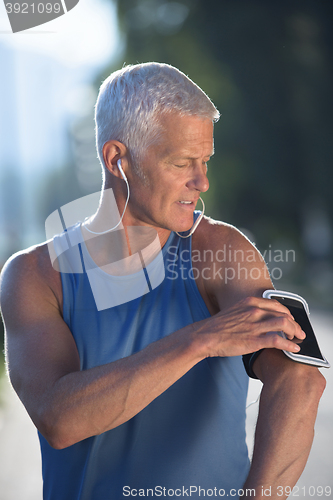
x=112 y=152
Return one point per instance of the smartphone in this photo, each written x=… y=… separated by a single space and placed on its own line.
x=310 y=353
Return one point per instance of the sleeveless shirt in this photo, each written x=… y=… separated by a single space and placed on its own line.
x=193 y=435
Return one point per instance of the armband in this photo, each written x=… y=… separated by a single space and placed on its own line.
x=248 y=361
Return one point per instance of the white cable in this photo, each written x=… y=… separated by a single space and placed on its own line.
x=121 y=218
x=253 y=402
x=197 y=222
x=195 y=225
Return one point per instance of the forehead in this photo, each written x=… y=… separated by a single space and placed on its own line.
x=185 y=135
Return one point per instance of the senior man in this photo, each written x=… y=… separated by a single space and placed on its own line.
x=146 y=397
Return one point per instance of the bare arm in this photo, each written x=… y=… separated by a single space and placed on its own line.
x=68 y=405
x=285 y=427
x=289 y=399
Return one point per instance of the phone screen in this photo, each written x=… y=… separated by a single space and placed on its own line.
x=309 y=346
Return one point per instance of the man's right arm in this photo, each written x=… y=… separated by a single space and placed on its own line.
x=67 y=404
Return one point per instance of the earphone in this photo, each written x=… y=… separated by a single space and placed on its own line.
x=121 y=170
x=128 y=195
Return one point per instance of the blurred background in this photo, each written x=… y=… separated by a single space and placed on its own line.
x=266 y=65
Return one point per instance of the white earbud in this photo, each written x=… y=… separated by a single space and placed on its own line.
x=121 y=170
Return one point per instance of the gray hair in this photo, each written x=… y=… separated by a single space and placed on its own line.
x=132 y=99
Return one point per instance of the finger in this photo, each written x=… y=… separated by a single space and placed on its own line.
x=280 y=307
x=273 y=339
x=267 y=305
x=285 y=324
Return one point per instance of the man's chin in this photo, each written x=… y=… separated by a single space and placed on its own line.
x=183 y=228
x=180 y=225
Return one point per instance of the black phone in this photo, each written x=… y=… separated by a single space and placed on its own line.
x=310 y=352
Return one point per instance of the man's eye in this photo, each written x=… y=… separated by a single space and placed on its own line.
x=180 y=166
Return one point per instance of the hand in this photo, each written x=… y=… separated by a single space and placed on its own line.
x=248 y=326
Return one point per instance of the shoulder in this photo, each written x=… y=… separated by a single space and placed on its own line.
x=34 y=262
x=225 y=240
x=29 y=273
x=229 y=265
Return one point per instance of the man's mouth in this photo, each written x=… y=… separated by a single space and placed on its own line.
x=186 y=202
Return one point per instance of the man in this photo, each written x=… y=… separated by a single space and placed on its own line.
x=146 y=397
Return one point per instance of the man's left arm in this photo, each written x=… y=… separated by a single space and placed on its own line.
x=285 y=427
x=291 y=391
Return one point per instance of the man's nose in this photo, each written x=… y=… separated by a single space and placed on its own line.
x=199 y=180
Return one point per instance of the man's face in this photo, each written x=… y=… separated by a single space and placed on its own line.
x=174 y=174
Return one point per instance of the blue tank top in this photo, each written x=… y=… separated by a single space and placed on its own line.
x=192 y=436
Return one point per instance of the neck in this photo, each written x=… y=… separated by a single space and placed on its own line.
x=130 y=237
